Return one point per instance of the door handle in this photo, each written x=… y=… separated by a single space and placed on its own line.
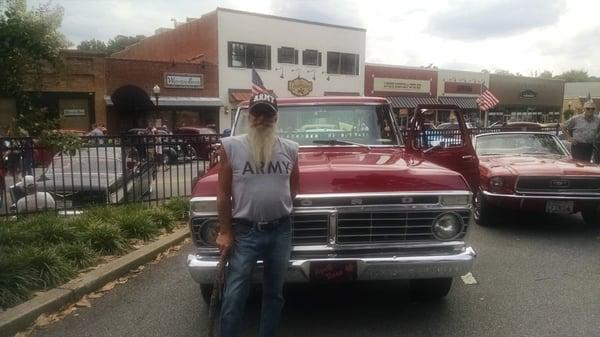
x=467 y=157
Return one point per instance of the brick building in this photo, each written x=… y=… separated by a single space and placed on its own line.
x=75 y=90
x=404 y=87
x=293 y=57
x=188 y=94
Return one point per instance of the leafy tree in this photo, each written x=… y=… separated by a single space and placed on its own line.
x=92 y=45
x=113 y=45
x=121 y=42
x=574 y=75
x=30 y=46
x=502 y=72
x=30 y=43
x=545 y=74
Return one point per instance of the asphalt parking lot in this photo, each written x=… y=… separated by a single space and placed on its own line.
x=536 y=276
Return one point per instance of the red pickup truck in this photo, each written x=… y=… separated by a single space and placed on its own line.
x=374 y=204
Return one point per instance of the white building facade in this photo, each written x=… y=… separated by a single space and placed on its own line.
x=294 y=58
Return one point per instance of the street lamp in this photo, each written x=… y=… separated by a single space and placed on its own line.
x=156 y=92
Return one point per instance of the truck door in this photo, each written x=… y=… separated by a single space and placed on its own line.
x=451 y=147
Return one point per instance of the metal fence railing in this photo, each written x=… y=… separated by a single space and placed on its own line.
x=125 y=168
x=105 y=170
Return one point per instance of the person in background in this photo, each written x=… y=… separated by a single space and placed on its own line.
x=96 y=132
x=33 y=200
x=581 y=131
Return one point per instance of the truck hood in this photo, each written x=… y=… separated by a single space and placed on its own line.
x=351 y=170
x=531 y=165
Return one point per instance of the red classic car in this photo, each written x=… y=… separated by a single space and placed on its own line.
x=369 y=206
x=533 y=171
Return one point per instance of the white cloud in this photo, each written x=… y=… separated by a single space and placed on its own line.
x=518 y=36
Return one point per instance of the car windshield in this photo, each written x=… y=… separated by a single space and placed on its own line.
x=88 y=161
x=526 y=143
x=331 y=124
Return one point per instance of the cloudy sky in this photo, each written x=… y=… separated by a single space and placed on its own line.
x=515 y=35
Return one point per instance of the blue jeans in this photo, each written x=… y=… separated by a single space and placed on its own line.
x=274 y=248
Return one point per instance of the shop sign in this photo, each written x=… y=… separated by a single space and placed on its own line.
x=401 y=85
x=300 y=86
x=528 y=93
x=184 y=81
x=74 y=112
x=462 y=88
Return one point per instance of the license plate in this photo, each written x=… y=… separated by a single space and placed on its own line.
x=333 y=271
x=559 y=206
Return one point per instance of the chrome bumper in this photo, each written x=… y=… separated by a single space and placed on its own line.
x=543 y=196
x=388 y=267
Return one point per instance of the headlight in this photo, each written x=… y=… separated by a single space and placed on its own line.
x=209 y=231
x=455 y=200
x=199 y=205
x=496 y=182
x=446 y=226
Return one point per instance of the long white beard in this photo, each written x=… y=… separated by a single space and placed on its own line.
x=262 y=140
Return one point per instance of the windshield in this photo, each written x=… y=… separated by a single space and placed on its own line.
x=510 y=143
x=313 y=124
x=87 y=161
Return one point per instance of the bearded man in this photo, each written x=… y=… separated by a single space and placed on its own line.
x=258 y=180
x=581 y=130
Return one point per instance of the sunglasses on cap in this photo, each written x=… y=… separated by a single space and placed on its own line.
x=590 y=108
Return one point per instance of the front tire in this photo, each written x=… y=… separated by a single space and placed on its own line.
x=206 y=290
x=430 y=289
x=484 y=213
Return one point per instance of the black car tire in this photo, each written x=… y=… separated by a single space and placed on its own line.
x=206 y=289
x=430 y=289
x=169 y=157
x=591 y=216
x=484 y=213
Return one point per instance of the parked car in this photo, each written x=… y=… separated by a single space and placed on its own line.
x=97 y=175
x=369 y=207
x=201 y=139
x=533 y=171
x=521 y=126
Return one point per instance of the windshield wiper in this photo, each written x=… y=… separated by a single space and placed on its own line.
x=338 y=142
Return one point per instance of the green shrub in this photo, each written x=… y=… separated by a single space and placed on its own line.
x=178 y=206
x=13 y=234
x=136 y=225
x=162 y=218
x=47 y=267
x=15 y=278
x=50 y=229
x=78 y=255
x=104 y=238
x=102 y=213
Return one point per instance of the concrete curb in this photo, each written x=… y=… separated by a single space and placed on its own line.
x=20 y=317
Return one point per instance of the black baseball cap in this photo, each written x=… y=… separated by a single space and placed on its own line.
x=263 y=100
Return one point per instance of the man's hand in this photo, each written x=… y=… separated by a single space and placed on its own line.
x=224 y=242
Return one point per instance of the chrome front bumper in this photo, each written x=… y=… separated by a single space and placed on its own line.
x=388 y=267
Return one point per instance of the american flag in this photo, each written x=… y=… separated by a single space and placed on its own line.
x=257 y=84
x=487 y=100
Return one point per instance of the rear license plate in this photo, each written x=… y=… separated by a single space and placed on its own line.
x=559 y=206
x=333 y=271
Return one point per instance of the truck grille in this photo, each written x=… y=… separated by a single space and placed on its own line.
x=568 y=184
x=310 y=229
x=388 y=226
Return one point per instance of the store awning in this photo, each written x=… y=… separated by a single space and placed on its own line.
x=462 y=102
x=240 y=96
x=410 y=102
x=174 y=101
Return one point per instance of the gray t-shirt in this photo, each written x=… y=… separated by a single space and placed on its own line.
x=584 y=131
x=260 y=194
